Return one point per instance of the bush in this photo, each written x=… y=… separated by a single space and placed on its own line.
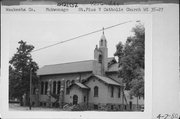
x=80 y=107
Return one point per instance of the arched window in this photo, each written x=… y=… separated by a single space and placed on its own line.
x=95 y=91
x=46 y=87
x=101 y=42
x=67 y=86
x=54 y=87
x=59 y=87
x=75 y=100
x=100 y=58
x=119 y=92
x=112 y=91
x=42 y=87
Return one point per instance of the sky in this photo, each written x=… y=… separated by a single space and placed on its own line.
x=41 y=30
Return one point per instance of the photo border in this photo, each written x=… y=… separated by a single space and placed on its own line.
x=84 y=114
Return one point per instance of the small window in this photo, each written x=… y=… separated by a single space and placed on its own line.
x=59 y=87
x=46 y=88
x=42 y=87
x=101 y=42
x=100 y=58
x=112 y=91
x=119 y=92
x=84 y=98
x=54 y=87
x=95 y=91
x=67 y=87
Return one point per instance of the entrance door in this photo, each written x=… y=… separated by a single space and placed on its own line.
x=75 y=100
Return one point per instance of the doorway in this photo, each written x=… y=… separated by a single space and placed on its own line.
x=75 y=100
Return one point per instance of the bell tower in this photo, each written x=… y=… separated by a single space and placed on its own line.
x=100 y=55
x=103 y=42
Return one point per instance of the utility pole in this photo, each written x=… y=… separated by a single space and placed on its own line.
x=30 y=87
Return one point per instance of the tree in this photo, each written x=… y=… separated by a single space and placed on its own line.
x=131 y=61
x=19 y=71
x=14 y=76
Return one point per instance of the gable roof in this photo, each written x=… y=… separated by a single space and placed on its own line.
x=80 y=85
x=108 y=80
x=73 y=67
x=105 y=79
x=81 y=66
x=113 y=68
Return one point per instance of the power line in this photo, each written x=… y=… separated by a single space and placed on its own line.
x=81 y=36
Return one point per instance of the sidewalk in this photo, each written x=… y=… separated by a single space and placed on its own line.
x=17 y=107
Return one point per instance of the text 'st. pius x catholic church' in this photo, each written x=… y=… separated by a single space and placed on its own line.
x=93 y=84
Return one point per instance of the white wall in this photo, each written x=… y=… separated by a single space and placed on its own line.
x=104 y=92
x=66 y=77
x=115 y=99
x=75 y=91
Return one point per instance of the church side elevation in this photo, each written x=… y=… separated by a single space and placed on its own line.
x=92 y=84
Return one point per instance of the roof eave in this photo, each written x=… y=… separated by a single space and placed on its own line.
x=63 y=73
x=79 y=86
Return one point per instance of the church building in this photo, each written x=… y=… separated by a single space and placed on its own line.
x=93 y=84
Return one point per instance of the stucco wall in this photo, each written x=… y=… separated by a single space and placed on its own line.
x=97 y=67
x=75 y=90
x=104 y=89
x=70 y=77
x=115 y=99
x=104 y=92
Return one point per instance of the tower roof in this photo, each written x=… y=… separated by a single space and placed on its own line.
x=103 y=36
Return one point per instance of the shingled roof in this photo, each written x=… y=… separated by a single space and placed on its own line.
x=104 y=79
x=113 y=68
x=81 y=66
x=80 y=85
x=73 y=67
x=108 y=80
